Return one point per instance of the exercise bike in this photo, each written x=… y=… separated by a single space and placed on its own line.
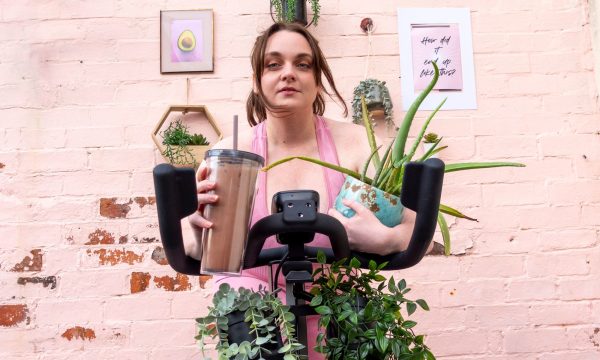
x=294 y=221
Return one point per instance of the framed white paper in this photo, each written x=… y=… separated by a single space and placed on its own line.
x=442 y=34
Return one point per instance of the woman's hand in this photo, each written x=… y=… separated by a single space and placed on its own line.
x=367 y=234
x=197 y=221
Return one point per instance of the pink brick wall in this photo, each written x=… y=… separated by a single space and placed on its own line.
x=81 y=270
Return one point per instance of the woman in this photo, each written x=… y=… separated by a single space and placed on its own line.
x=286 y=105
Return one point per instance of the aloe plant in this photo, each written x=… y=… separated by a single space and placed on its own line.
x=389 y=169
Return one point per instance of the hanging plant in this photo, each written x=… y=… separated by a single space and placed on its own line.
x=290 y=11
x=377 y=97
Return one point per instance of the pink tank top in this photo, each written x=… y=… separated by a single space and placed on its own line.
x=333 y=182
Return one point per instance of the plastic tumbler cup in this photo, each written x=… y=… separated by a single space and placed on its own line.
x=223 y=244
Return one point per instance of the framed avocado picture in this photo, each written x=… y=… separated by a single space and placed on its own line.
x=186 y=41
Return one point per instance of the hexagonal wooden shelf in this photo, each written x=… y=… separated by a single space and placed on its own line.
x=196 y=150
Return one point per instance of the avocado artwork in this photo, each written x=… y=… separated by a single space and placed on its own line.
x=186 y=41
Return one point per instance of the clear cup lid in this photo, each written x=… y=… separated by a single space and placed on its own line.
x=239 y=154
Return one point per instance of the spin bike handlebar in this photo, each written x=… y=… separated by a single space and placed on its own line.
x=176 y=198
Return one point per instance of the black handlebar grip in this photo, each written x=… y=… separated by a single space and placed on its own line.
x=421 y=192
x=176 y=198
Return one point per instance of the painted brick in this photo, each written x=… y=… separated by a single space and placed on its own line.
x=570 y=144
x=503 y=147
x=474 y=292
x=94 y=137
x=560 y=314
x=441 y=318
x=96 y=183
x=578 y=289
x=121 y=160
x=138 y=308
x=492 y=266
x=526 y=290
x=42 y=138
x=568 y=263
x=435 y=269
x=450 y=343
x=53 y=312
x=534 y=84
x=144 y=334
x=513 y=194
x=534 y=340
x=574 y=192
x=556 y=62
x=29 y=235
x=567 y=104
x=44 y=161
x=556 y=217
x=568 y=239
x=518 y=242
x=497 y=316
x=110 y=283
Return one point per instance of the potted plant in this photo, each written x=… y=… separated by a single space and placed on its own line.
x=181 y=147
x=377 y=98
x=380 y=193
x=249 y=325
x=295 y=11
x=362 y=313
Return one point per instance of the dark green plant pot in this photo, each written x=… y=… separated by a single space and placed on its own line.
x=239 y=331
x=299 y=11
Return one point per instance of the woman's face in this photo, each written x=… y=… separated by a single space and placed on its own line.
x=288 y=78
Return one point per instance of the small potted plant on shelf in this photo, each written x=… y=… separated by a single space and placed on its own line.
x=377 y=98
x=380 y=193
x=249 y=325
x=181 y=147
x=295 y=11
x=362 y=313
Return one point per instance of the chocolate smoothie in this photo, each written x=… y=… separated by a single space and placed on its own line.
x=234 y=173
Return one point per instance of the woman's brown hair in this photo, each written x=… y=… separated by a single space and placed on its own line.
x=257 y=104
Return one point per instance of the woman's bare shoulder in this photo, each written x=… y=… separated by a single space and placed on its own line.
x=347 y=132
x=351 y=143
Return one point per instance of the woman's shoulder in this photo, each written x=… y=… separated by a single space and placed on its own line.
x=347 y=132
x=351 y=143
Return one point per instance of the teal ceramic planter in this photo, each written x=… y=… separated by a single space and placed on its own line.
x=386 y=207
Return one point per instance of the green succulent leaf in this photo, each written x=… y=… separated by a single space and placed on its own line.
x=479 y=165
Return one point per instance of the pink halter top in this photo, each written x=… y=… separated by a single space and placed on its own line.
x=333 y=179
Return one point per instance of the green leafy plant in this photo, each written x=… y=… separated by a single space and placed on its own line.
x=363 y=313
x=177 y=139
x=389 y=169
x=376 y=95
x=285 y=10
x=267 y=318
